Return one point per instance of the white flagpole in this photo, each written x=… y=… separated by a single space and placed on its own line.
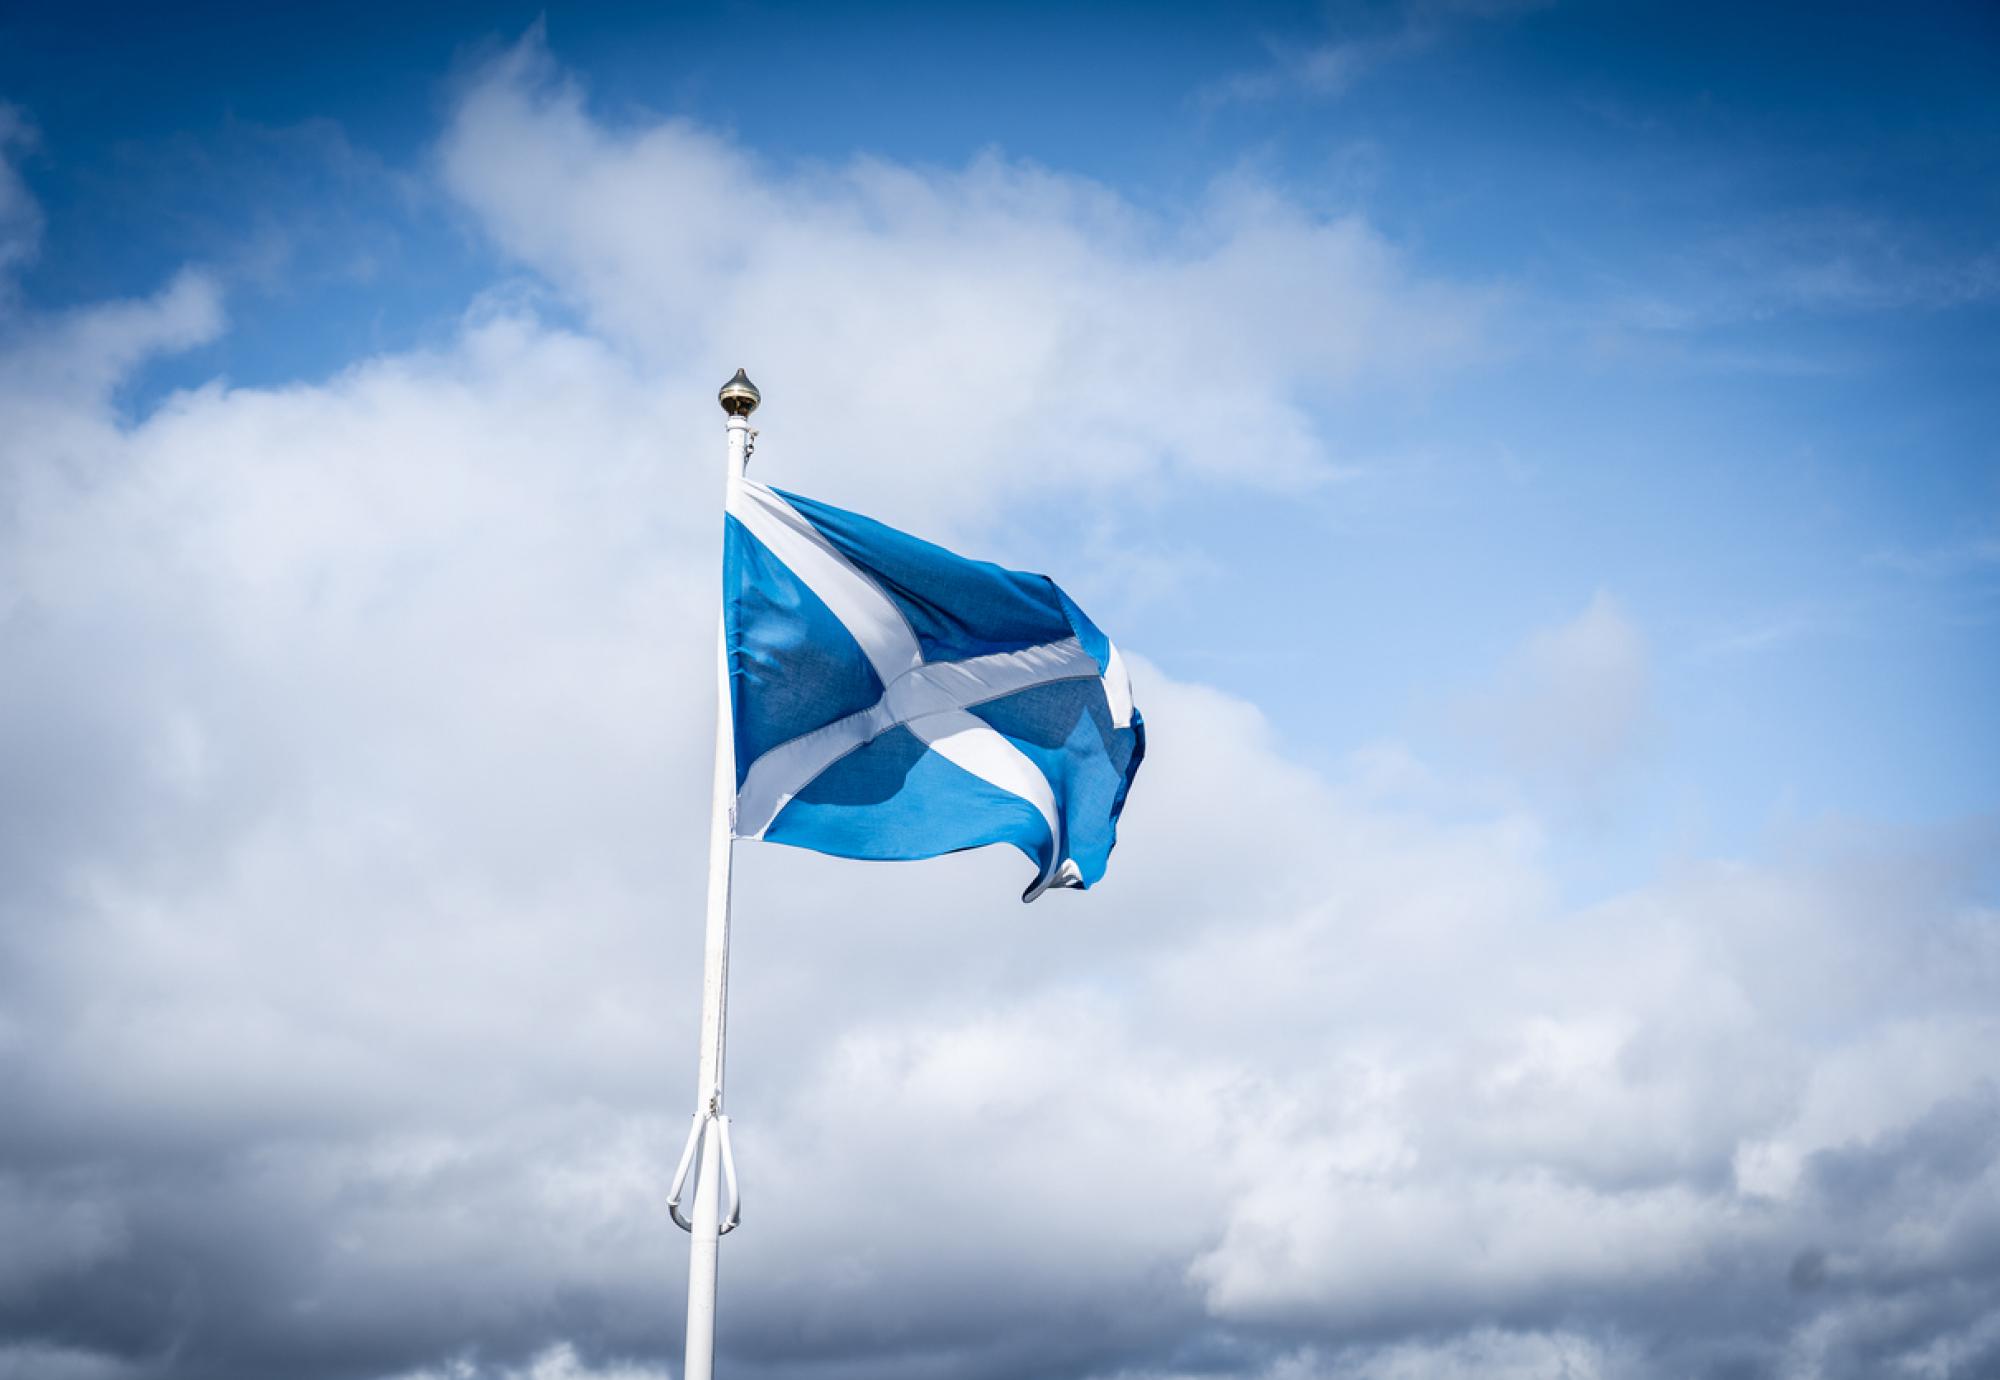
x=739 y=398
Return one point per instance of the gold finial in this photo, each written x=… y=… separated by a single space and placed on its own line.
x=739 y=397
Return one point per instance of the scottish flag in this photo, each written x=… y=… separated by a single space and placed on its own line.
x=893 y=700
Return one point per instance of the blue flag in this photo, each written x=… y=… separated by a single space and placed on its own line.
x=893 y=700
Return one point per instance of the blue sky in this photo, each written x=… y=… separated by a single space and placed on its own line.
x=1544 y=455
x=1743 y=271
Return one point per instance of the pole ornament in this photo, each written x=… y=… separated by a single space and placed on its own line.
x=739 y=397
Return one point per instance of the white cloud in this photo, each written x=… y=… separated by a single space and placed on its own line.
x=941 y=339
x=1574 y=702
x=82 y=354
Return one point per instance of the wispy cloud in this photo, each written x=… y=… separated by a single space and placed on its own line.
x=1967 y=556
x=1762 y=636
x=1823 y=262
x=1323 y=69
x=20 y=214
x=1330 y=67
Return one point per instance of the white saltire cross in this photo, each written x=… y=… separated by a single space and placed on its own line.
x=930 y=698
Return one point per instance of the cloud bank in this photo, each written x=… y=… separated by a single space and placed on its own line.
x=351 y=869
x=1001 y=314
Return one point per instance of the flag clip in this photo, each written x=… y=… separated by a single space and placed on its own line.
x=734 y=1216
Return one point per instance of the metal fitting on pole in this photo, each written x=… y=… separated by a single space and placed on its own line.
x=739 y=397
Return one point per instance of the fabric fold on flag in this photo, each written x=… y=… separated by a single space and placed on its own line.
x=893 y=700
